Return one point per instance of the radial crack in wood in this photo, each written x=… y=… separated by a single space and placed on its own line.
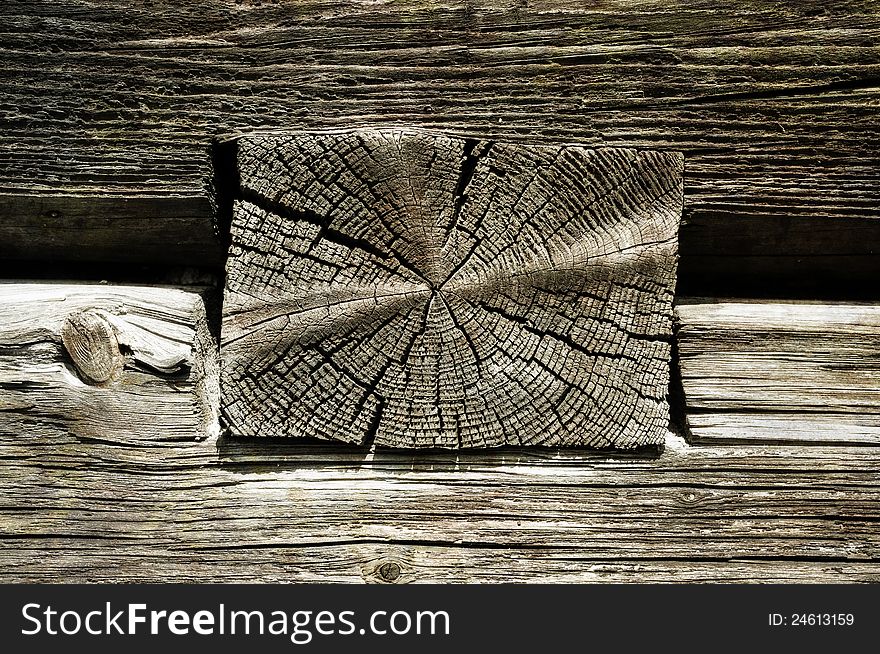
x=413 y=289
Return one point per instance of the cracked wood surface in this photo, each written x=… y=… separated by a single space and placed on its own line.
x=800 y=371
x=120 y=364
x=108 y=110
x=106 y=117
x=410 y=289
x=85 y=507
x=232 y=510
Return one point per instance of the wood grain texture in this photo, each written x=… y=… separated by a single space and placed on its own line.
x=409 y=289
x=105 y=363
x=233 y=510
x=80 y=507
x=158 y=230
x=781 y=371
x=107 y=113
x=773 y=103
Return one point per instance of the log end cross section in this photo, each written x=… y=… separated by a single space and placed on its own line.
x=417 y=290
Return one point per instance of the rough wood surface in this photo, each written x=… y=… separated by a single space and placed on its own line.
x=107 y=111
x=410 y=289
x=233 y=510
x=773 y=103
x=105 y=363
x=158 y=230
x=781 y=371
x=81 y=507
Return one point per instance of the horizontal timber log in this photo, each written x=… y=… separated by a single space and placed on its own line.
x=81 y=506
x=109 y=363
x=772 y=103
x=158 y=230
x=799 y=371
x=240 y=510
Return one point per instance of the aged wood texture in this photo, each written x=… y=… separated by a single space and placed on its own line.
x=781 y=371
x=150 y=229
x=416 y=290
x=107 y=112
x=82 y=503
x=105 y=363
x=274 y=511
x=773 y=103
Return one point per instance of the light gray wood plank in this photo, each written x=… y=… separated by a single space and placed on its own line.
x=42 y=560
x=98 y=362
x=240 y=510
x=139 y=505
x=800 y=371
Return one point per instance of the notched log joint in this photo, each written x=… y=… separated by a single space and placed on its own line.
x=405 y=288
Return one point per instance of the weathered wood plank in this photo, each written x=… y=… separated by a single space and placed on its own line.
x=155 y=229
x=98 y=362
x=781 y=371
x=113 y=507
x=409 y=289
x=45 y=560
x=773 y=104
x=245 y=510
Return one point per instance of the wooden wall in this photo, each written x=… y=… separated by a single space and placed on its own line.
x=114 y=124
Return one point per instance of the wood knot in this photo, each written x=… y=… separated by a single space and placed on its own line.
x=389 y=571
x=694 y=498
x=386 y=572
x=91 y=342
